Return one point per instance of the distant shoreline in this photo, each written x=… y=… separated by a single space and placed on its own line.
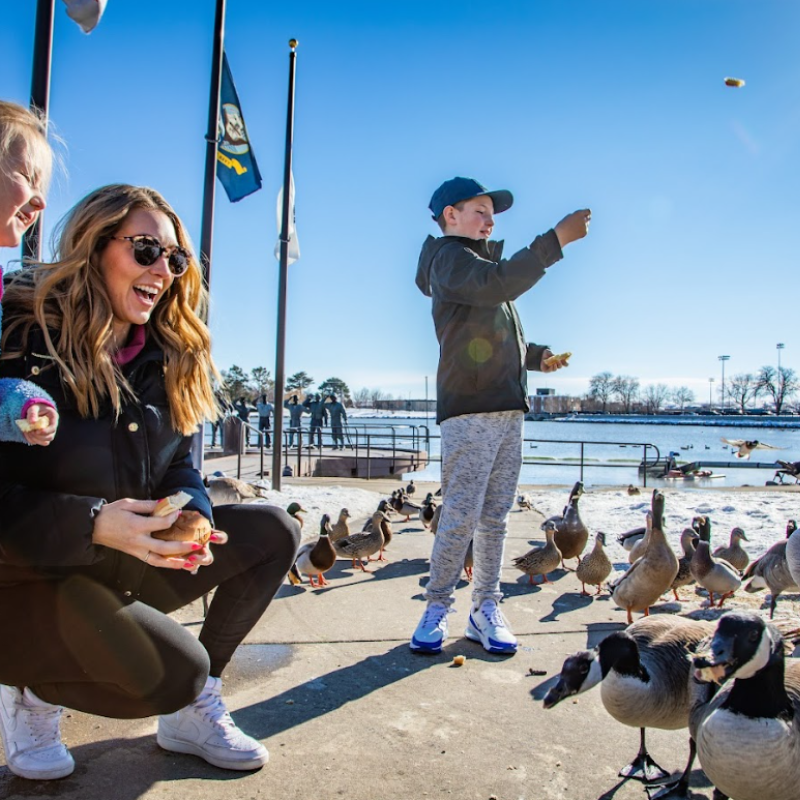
x=710 y=420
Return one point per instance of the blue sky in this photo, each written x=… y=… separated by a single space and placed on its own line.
x=618 y=105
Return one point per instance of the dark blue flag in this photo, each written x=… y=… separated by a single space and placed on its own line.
x=236 y=163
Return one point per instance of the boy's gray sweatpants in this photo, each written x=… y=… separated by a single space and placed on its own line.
x=481 y=461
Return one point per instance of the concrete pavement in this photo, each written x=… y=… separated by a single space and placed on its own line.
x=347 y=711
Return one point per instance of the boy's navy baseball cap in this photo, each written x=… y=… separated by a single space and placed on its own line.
x=457 y=189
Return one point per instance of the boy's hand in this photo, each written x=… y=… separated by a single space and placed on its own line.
x=574 y=226
x=41 y=435
x=552 y=366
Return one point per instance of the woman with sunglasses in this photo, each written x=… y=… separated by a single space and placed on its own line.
x=112 y=329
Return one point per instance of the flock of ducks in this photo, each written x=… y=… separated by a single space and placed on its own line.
x=729 y=682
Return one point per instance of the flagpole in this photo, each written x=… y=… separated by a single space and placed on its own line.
x=40 y=100
x=277 y=449
x=209 y=186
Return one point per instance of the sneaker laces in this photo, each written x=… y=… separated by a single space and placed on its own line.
x=492 y=614
x=212 y=708
x=434 y=614
x=44 y=723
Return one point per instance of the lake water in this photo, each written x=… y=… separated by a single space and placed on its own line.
x=619 y=443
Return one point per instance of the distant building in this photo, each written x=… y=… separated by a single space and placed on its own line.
x=405 y=405
x=546 y=401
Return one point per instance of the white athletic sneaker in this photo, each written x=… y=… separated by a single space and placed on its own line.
x=431 y=630
x=31 y=731
x=205 y=728
x=488 y=626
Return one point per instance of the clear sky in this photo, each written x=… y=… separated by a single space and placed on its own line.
x=618 y=105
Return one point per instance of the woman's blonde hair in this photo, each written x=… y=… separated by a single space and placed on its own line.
x=69 y=301
x=23 y=133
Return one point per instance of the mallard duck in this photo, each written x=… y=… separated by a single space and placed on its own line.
x=435 y=521
x=543 y=558
x=402 y=505
x=469 y=561
x=524 y=502
x=640 y=545
x=223 y=491
x=360 y=545
x=793 y=551
x=649 y=577
x=316 y=557
x=633 y=490
x=379 y=519
x=629 y=538
x=427 y=511
x=748 y=735
x=410 y=489
x=645 y=680
x=715 y=575
x=745 y=447
x=771 y=571
x=596 y=567
x=734 y=553
x=702 y=526
x=293 y=510
x=571 y=533
x=684 y=576
x=341 y=529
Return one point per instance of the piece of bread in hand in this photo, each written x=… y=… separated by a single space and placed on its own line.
x=191 y=526
x=37 y=425
x=172 y=503
x=556 y=359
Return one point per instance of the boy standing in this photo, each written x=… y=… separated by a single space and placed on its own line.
x=482 y=395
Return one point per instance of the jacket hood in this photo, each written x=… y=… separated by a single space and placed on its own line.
x=431 y=247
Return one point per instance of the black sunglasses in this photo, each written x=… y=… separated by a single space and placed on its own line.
x=147 y=250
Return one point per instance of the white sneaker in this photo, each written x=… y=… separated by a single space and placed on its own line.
x=31 y=731
x=205 y=728
x=488 y=626
x=431 y=630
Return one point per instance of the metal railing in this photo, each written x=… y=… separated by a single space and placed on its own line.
x=365 y=441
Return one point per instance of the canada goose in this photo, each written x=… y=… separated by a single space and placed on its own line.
x=771 y=571
x=341 y=528
x=734 y=553
x=793 y=551
x=748 y=735
x=316 y=557
x=684 y=576
x=541 y=559
x=643 y=673
x=595 y=567
x=571 y=534
x=651 y=575
x=714 y=574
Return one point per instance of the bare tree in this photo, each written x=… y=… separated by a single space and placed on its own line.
x=375 y=395
x=682 y=396
x=742 y=388
x=654 y=396
x=361 y=398
x=779 y=384
x=626 y=390
x=601 y=388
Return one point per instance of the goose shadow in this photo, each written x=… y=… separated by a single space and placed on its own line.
x=565 y=603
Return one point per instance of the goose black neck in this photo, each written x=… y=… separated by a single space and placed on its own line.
x=620 y=652
x=763 y=695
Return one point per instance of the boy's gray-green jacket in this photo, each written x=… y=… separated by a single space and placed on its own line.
x=483 y=355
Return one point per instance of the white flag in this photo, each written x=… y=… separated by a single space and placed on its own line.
x=86 y=13
x=294 y=245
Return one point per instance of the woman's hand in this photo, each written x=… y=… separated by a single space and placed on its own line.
x=41 y=436
x=125 y=525
x=552 y=366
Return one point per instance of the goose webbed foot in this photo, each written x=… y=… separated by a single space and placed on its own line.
x=661 y=791
x=718 y=795
x=643 y=767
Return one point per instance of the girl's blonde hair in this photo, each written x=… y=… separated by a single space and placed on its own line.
x=23 y=133
x=69 y=301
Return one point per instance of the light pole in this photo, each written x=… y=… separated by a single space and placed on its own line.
x=723 y=359
x=710 y=385
x=426 y=395
x=779 y=347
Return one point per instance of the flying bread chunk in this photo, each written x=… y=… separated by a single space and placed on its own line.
x=37 y=425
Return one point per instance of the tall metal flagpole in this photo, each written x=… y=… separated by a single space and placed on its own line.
x=277 y=449
x=209 y=185
x=40 y=100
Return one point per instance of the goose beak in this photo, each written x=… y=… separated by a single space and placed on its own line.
x=716 y=664
x=556 y=694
